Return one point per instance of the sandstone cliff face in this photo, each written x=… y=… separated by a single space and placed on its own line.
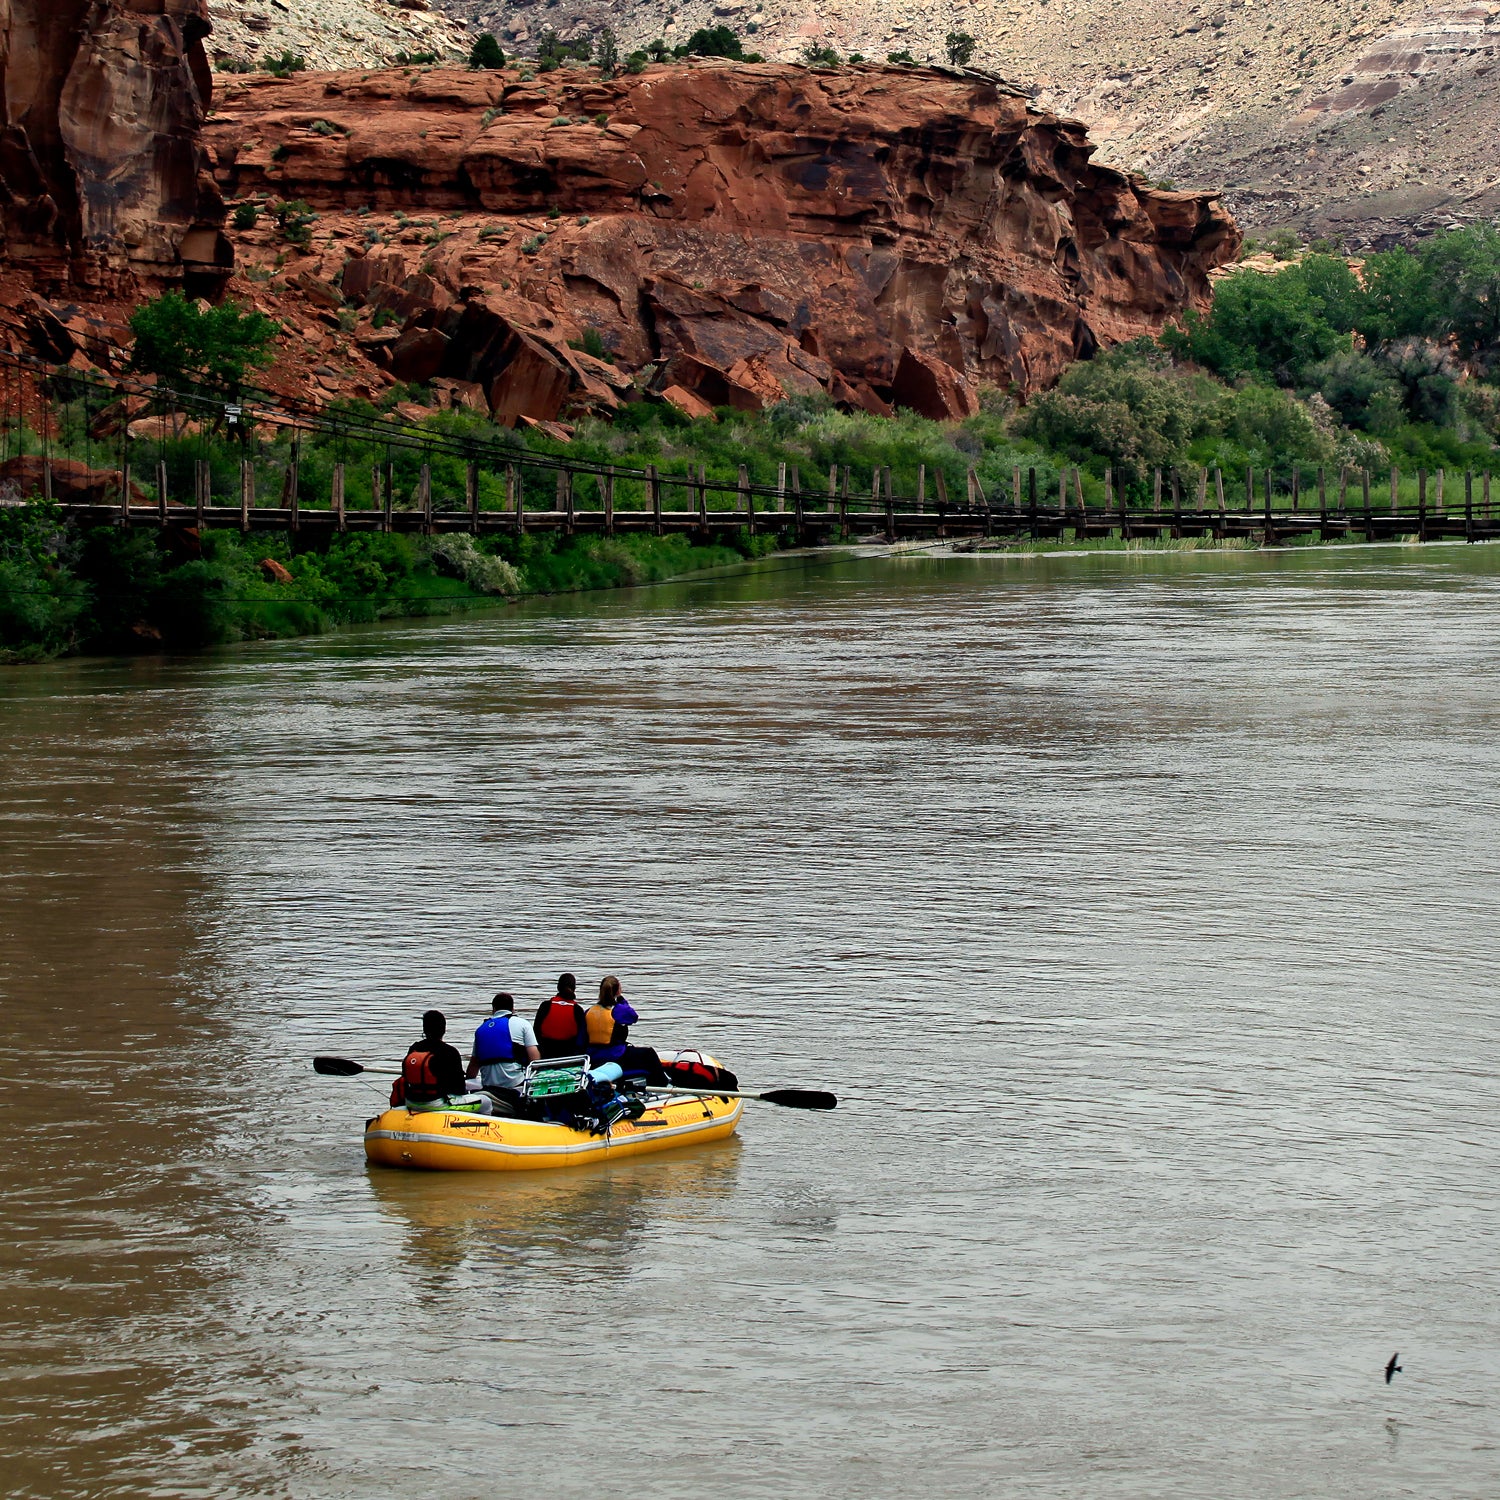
x=102 y=168
x=731 y=232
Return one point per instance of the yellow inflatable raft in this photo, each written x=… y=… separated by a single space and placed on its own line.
x=455 y=1141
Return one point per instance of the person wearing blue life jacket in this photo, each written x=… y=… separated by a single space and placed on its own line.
x=608 y=1023
x=503 y=1045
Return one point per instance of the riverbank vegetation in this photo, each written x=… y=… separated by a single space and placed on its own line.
x=103 y=589
x=1309 y=364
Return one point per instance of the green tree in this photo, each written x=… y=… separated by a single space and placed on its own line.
x=658 y=51
x=960 y=48
x=819 y=55
x=1399 y=297
x=486 y=52
x=1463 y=270
x=193 y=347
x=712 y=41
x=607 y=52
x=1277 y=325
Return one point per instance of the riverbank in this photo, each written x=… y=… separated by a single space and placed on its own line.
x=67 y=589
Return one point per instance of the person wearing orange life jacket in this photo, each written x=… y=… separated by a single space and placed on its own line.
x=560 y=1028
x=608 y=1023
x=432 y=1069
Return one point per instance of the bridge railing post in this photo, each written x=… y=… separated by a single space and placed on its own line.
x=247 y=492
x=336 y=498
x=471 y=494
x=653 y=491
x=161 y=491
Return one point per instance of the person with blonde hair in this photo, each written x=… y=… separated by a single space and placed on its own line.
x=608 y=1023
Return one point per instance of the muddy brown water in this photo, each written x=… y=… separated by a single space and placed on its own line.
x=1142 y=910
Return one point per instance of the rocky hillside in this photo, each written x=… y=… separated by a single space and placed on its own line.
x=723 y=233
x=331 y=33
x=1213 y=93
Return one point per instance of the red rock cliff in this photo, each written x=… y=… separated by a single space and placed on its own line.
x=734 y=231
x=103 y=176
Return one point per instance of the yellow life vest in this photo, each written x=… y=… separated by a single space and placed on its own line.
x=603 y=1029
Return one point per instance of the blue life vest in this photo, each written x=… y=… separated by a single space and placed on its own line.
x=493 y=1042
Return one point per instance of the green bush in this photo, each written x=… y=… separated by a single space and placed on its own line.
x=285 y=65
x=486 y=52
x=245 y=216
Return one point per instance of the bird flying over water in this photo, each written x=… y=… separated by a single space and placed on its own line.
x=1392 y=1368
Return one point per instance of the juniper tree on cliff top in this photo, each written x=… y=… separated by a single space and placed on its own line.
x=960 y=46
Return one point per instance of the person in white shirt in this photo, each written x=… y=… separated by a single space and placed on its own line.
x=503 y=1045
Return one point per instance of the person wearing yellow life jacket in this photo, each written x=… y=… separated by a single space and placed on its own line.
x=608 y=1025
x=560 y=1027
x=431 y=1069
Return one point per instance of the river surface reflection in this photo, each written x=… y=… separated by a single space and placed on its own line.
x=1141 y=910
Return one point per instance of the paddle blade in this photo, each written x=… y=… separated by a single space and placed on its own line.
x=800 y=1099
x=336 y=1067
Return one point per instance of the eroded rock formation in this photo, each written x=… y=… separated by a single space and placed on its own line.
x=103 y=174
x=735 y=233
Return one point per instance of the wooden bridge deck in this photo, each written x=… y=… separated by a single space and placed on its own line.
x=812 y=525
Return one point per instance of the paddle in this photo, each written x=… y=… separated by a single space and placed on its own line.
x=786 y=1098
x=342 y=1067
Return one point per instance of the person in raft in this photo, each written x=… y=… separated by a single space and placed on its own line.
x=503 y=1045
x=608 y=1023
x=560 y=1029
x=431 y=1069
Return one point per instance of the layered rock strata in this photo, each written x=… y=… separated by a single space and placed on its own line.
x=103 y=174
x=737 y=233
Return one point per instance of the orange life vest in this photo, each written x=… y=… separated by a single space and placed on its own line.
x=418 y=1083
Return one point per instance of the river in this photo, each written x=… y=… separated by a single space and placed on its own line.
x=1141 y=910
